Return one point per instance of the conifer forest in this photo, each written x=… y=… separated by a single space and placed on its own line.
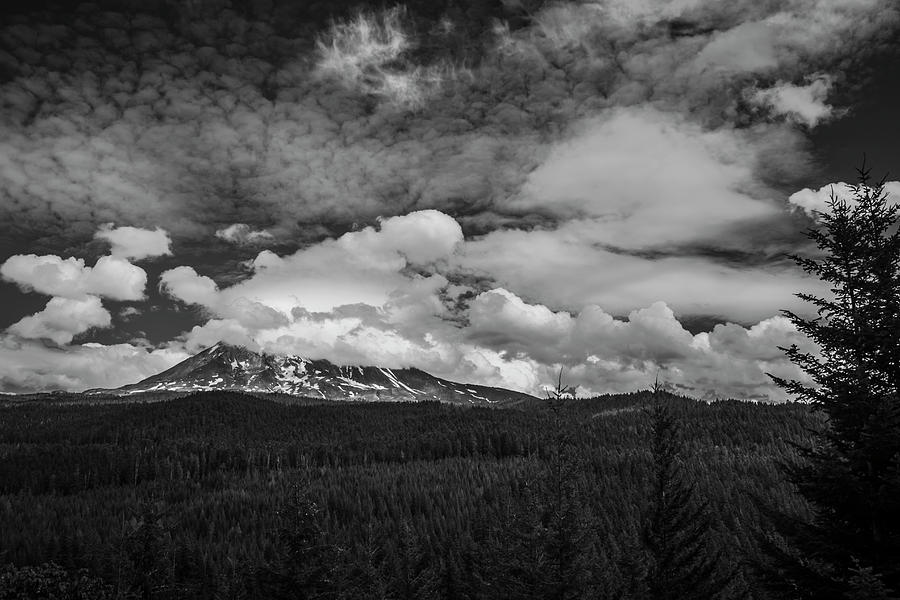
x=233 y=496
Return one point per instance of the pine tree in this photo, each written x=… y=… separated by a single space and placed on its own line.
x=414 y=578
x=306 y=567
x=540 y=550
x=678 y=562
x=146 y=548
x=564 y=523
x=851 y=476
x=366 y=575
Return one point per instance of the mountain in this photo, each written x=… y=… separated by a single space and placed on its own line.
x=227 y=367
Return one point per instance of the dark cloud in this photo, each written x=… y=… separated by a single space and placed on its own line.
x=150 y=114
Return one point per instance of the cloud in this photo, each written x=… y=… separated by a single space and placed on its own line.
x=603 y=354
x=612 y=154
x=368 y=52
x=241 y=234
x=364 y=266
x=29 y=366
x=62 y=319
x=111 y=277
x=804 y=104
x=495 y=336
x=275 y=144
x=647 y=178
x=811 y=201
x=569 y=267
x=499 y=318
x=185 y=284
x=188 y=286
x=134 y=242
x=229 y=331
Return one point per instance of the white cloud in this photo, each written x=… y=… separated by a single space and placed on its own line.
x=353 y=301
x=810 y=200
x=500 y=318
x=62 y=319
x=28 y=366
x=603 y=354
x=568 y=267
x=647 y=178
x=367 y=53
x=111 y=277
x=188 y=286
x=242 y=234
x=134 y=242
x=214 y=331
x=420 y=238
x=801 y=103
x=185 y=284
x=365 y=266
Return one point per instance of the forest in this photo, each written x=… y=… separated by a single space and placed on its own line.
x=224 y=495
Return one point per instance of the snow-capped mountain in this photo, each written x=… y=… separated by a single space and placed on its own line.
x=227 y=367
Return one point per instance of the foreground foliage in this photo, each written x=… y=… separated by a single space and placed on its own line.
x=229 y=496
x=851 y=472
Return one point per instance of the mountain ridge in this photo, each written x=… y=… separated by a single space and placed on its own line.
x=236 y=368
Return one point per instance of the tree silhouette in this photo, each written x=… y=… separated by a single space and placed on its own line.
x=851 y=474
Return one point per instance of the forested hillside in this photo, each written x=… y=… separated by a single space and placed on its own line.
x=220 y=495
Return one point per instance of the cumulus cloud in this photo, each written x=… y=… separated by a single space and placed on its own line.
x=646 y=178
x=602 y=353
x=812 y=201
x=188 y=286
x=242 y=234
x=134 y=242
x=29 y=366
x=62 y=319
x=402 y=318
x=802 y=103
x=111 y=277
x=364 y=266
x=569 y=267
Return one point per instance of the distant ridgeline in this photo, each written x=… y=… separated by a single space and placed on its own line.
x=235 y=368
x=220 y=494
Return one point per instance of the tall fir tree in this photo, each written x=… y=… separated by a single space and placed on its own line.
x=850 y=476
x=305 y=569
x=677 y=560
x=541 y=550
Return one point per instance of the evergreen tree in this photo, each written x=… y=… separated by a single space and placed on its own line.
x=678 y=562
x=564 y=518
x=51 y=582
x=147 y=549
x=414 y=577
x=851 y=474
x=550 y=529
x=366 y=574
x=306 y=568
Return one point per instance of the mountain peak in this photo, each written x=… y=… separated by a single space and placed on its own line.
x=220 y=347
x=225 y=366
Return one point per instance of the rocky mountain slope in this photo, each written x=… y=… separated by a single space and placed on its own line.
x=227 y=367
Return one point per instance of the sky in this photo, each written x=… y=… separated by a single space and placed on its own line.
x=490 y=190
